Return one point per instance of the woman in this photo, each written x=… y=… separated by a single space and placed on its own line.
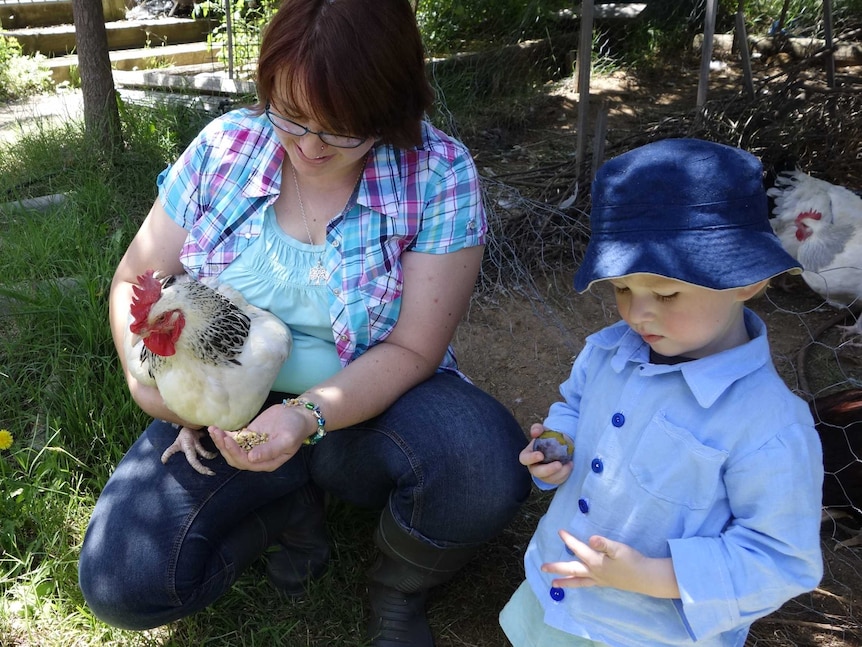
x=332 y=204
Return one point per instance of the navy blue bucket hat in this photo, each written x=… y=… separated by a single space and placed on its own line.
x=684 y=209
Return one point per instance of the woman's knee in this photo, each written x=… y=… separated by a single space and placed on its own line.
x=110 y=598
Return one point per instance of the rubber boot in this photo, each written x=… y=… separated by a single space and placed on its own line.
x=302 y=548
x=399 y=582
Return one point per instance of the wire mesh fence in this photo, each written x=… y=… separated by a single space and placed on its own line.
x=539 y=226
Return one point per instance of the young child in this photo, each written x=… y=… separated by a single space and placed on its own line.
x=691 y=505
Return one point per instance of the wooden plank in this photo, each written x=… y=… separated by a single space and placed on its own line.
x=706 y=52
x=57 y=40
x=744 y=52
x=599 y=137
x=148 y=57
x=583 y=69
x=198 y=83
x=827 y=35
x=39 y=204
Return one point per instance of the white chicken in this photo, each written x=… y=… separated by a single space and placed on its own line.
x=212 y=355
x=820 y=224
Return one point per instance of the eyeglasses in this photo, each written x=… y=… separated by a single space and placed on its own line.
x=298 y=130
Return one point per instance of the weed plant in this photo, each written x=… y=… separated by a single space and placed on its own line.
x=21 y=75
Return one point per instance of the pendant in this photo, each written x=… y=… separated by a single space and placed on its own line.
x=317 y=273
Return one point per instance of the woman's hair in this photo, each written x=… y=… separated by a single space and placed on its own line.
x=358 y=64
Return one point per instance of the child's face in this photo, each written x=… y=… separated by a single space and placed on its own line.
x=677 y=318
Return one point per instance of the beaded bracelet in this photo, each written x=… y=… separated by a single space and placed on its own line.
x=315 y=411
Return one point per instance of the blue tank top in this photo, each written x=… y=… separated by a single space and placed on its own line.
x=272 y=273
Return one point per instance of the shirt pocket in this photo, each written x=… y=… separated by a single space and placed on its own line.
x=381 y=295
x=672 y=465
x=381 y=281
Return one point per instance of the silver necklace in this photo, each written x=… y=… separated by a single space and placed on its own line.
x=317 y=273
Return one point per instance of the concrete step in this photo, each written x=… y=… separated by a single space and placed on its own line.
x=143 y=58
x=59 y=40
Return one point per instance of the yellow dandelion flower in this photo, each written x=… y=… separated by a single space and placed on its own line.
x=5 y=439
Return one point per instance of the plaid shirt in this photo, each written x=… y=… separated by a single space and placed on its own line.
x=424 y=200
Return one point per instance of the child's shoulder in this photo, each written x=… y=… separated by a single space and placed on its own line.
x=610 y=336
x=766 y=389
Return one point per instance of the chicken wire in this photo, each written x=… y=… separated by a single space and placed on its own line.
x=794 y=119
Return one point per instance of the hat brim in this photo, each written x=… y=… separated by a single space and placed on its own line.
x=717 y=260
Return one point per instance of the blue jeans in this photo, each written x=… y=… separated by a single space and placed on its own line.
x=165 y=542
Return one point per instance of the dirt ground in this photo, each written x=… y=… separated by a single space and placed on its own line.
x=519 y=341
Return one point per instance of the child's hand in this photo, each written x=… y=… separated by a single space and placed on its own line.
x=603 y=562
x=554 y=473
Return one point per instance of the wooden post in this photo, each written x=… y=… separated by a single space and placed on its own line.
x=827 y=36
x=782 y=18
x=582 y=68
x=228 y=21
x=745 y=55
x=599 y=136
x=706 y=53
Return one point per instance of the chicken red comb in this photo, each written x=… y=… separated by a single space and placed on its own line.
x=144 y=295
x=812 y=214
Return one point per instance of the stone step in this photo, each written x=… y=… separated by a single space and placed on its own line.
x=143 y=58
x=59 y=40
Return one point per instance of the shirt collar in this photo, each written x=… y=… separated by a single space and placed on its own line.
x=381 y=189
x=708 y=377
x=264 y=177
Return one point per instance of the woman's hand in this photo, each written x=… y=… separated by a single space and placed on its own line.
x=287 y=428
x=603 y=562
x=555 y=472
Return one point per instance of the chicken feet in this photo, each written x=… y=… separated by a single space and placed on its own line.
x=852 y=335
x=189 y=442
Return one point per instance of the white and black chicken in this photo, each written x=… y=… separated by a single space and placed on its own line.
x=212 y=355
x=820 y=224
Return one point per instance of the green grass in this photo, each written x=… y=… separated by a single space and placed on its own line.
x=64 y=398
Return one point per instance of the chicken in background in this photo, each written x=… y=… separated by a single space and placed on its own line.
x=212 y=355
x=838 y=420
x=820 y=224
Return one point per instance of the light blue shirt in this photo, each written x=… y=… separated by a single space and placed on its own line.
x=713 y=462
x=272 y=273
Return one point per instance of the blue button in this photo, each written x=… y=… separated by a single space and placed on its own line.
x=570 y=551
x=597 y=465
x=557 y=594
x=618 y=420
x=583 y=505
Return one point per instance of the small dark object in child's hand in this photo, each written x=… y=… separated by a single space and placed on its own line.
x=555 y=447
